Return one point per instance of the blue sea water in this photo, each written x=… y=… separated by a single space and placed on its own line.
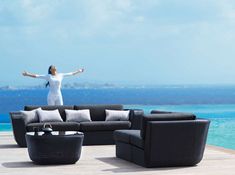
x=214 y=103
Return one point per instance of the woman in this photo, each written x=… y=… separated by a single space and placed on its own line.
x=54 y=80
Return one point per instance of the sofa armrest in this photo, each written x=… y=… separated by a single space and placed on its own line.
x=135 y=118
x=174 y=116
x=160 y=112
x=176 y=142
x=19 y=128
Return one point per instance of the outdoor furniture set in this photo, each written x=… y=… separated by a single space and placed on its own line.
x=159 y=139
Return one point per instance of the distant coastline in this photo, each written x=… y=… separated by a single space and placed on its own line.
x=88 y=85
x=64 y=86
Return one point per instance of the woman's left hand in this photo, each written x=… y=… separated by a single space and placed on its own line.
x=81 y=70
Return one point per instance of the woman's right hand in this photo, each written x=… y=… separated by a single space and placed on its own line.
x=29 y=74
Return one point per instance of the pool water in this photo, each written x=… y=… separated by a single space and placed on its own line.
x=5 y=127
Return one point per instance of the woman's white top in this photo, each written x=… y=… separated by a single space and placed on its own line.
x=54 y=81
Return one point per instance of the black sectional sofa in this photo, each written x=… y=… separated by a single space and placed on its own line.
x=159 y=139
x=96 y=132
x=164 y=139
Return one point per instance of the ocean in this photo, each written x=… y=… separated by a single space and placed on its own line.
x=216 y=103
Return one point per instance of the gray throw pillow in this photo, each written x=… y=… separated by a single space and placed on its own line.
x=49 y=116
x=78 y=115
x=30 y=116
x=117 y=115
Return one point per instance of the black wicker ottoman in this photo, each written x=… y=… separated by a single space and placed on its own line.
x=54 y=147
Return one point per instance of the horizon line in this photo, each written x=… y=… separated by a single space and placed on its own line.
x=89 y=85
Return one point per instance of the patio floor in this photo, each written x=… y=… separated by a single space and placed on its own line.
x=101 y=160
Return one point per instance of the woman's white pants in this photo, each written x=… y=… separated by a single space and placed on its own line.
x=55 y=99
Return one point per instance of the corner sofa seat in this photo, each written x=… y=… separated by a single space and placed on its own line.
x=162 y=143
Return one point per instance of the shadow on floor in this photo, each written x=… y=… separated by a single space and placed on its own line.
x=19 y=164
x=123 y=166
x=26 y=164
x=8 y=146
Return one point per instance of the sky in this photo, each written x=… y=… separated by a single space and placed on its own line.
x=150 y=42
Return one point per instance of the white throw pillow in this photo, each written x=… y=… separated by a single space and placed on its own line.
x=30 y=116
x=117 y=115
x=49 y=116
x=78 y=115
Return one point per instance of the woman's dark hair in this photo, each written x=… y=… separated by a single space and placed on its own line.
x=49 y=72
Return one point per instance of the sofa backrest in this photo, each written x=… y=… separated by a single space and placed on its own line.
x=135 y=118
x=60 y=108
x=164 y=117
x=98 y=111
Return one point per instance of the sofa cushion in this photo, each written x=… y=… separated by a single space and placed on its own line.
x=56 y=126
x=30 y=116
x=49 y=116
x=164 y=117
x=78 y=115
x=104 y=125
x=136 y=139
x=60 y=108
x=98 y=111
x=122 y=135
x=129 y=136
x=117 y=115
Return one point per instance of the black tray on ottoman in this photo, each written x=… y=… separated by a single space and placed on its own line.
x=54 y=147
